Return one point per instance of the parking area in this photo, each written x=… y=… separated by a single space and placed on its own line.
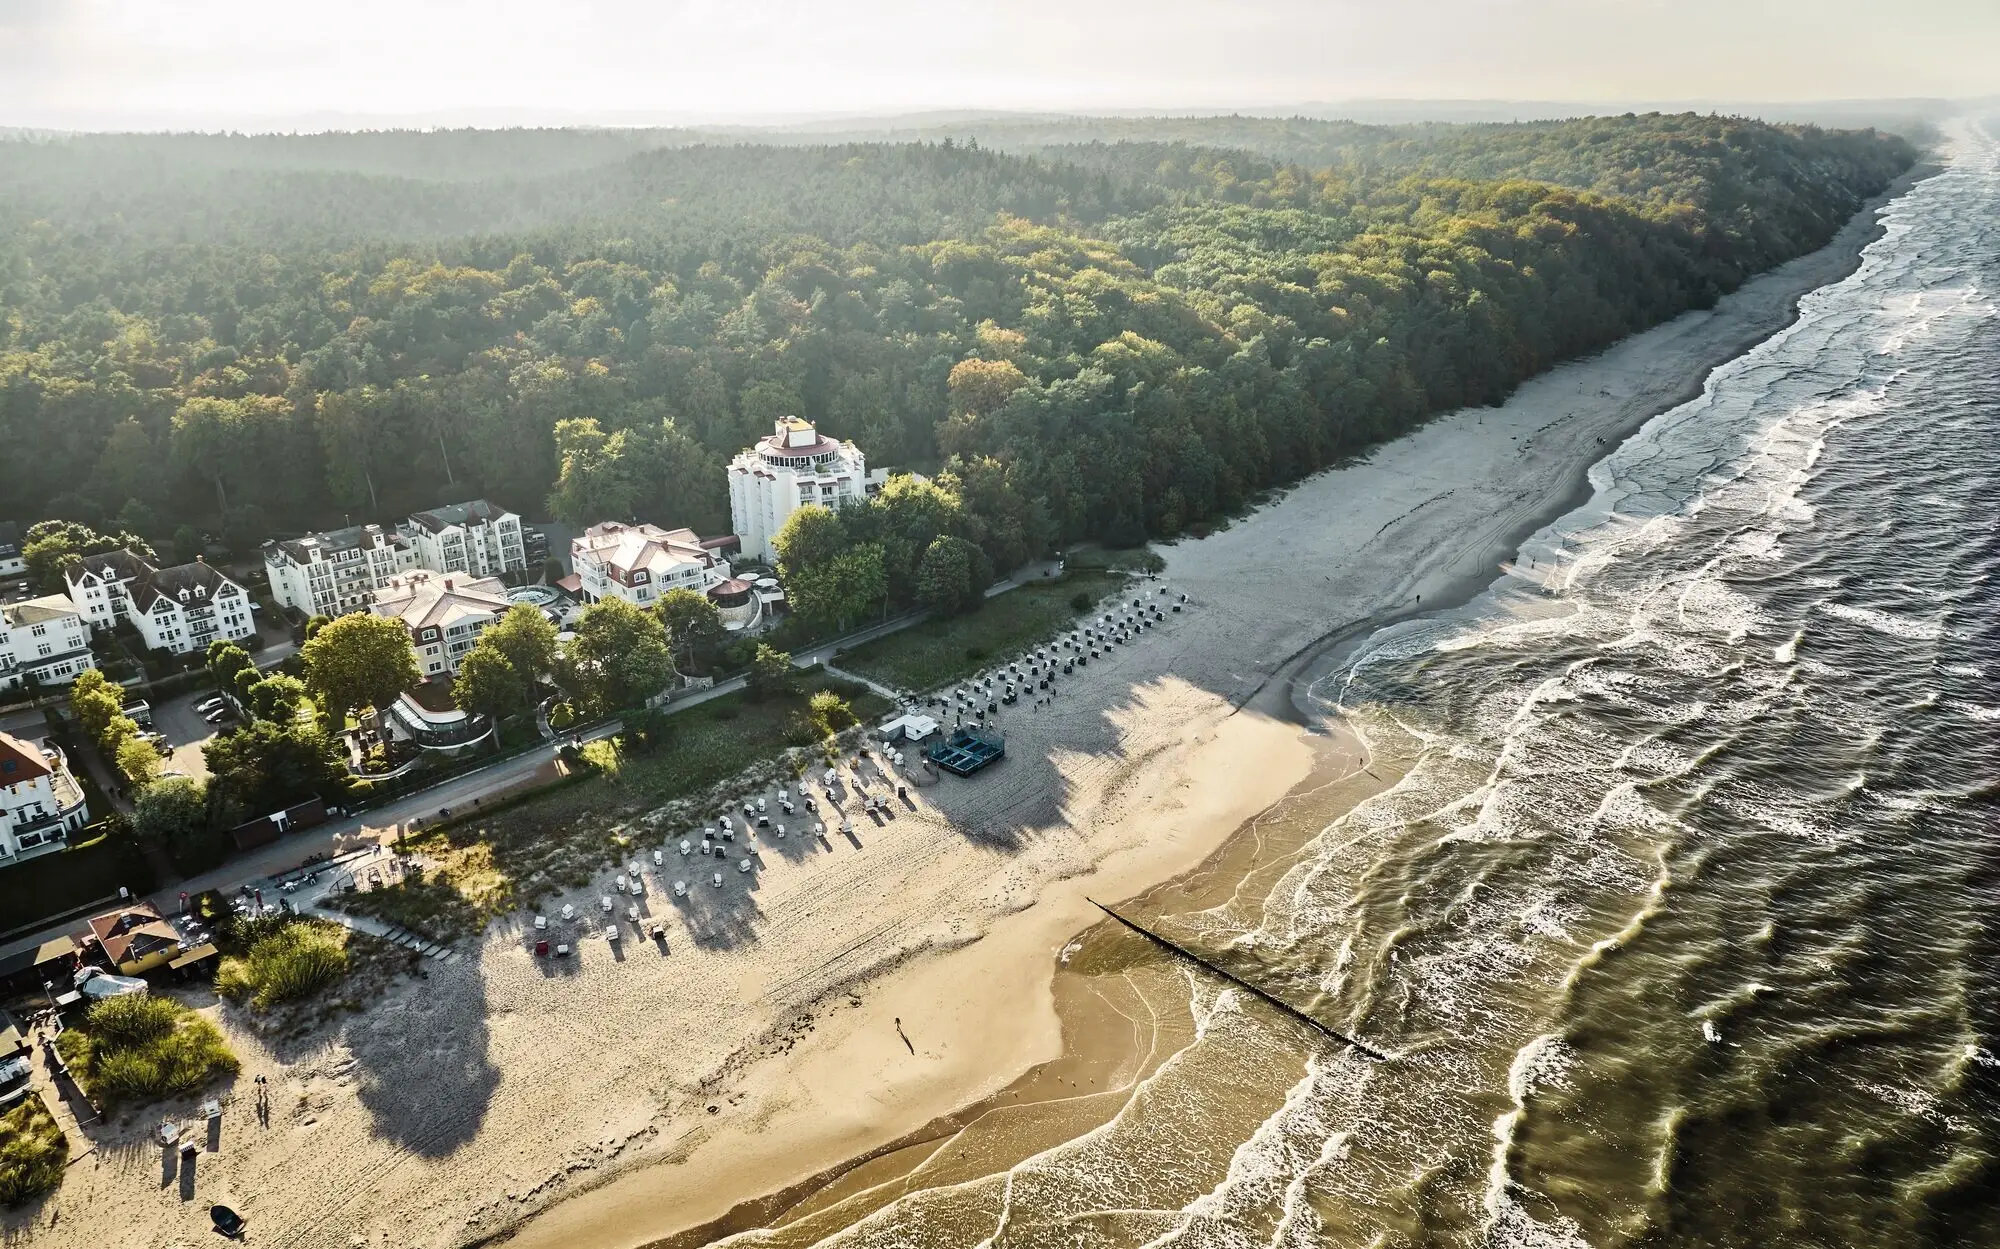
x=186 y=732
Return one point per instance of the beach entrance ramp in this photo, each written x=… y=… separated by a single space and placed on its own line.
x=968 y=750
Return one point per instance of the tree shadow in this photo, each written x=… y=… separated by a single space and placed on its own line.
x=721 y=917
x=421 y=1060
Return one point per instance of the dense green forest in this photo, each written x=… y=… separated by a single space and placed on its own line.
x=1107 y=329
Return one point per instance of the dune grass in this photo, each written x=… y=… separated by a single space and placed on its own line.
x=134 y=1049
x=298 y=960
x=937 y=652
x=33 y=1151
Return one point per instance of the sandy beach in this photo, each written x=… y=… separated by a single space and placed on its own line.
x=852 y=992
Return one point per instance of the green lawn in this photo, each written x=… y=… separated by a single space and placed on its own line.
x=938 y=652
x=492 y=864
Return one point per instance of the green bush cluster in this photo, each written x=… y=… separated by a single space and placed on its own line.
x=297 y=961
x=137 y=1048
x=33 y=1151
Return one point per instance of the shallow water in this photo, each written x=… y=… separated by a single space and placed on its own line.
x=1679 y=921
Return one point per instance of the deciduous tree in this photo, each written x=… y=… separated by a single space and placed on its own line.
x=359 y=660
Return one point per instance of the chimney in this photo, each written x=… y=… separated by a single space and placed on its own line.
x=447 y=583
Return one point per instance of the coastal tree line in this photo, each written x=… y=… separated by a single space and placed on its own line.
x=1102 y=339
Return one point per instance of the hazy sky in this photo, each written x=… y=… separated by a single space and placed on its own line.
x=245 y=62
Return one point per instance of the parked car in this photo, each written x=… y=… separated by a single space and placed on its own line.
x=217 y=716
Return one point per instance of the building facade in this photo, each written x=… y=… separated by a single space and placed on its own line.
x=639 y=563
x=332 y=574
x=177 y=610
x=11 y=562
x=444 y=614
x=45 y=639
x=476 y=538
x=41 y=803
x=793 y=467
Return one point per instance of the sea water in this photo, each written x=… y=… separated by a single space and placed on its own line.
x=1680 y=922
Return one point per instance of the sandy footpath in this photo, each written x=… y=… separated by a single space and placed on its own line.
x=848 y=992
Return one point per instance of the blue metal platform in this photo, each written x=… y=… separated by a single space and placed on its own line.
x=968 y=750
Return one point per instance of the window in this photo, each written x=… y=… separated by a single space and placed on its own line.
x=45 y=650
x=39 y=630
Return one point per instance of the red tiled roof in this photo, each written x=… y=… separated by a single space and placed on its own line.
x=20 y=761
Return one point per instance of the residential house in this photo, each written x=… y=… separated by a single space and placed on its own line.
x=793 y=467
x=475 y=537
x=46 y=639
x=332 y=574
x=639 y=563
x=41 y=803
x=445 y=615
x=135 y=938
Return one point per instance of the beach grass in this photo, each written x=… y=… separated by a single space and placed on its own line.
x=479 y=868
x=33 y=1151
x=133 y=1049
x=297 y=961
x=937 y=652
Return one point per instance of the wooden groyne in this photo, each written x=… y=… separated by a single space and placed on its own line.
x=1243 y=984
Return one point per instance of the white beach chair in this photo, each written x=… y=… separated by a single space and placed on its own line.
x=686 y=845
x=680 y=889
x=743 y=865
x=541 y=923
x=717 y=880
x=606 y=903
x=568 y=911
x=659 y=857
x=781 y=830
x=632 y=912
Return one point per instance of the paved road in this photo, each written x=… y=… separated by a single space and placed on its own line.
x=258 y=867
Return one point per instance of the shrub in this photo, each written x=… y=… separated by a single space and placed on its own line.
x=32 y=1152
x=297 y=961
x=830 y=712
x=133 y=1049
x=1081 y=601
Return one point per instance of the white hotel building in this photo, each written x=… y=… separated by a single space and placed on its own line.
x=45 y=638
x=331 y=574
x=639 y=563
x=444 y=614
x=475 y=537
x=179 y=610
x=41 y=803
x=793 y=467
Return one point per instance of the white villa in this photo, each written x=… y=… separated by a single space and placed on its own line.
x=45 y=638
x=331 y=574
x=639 y=563
x=444 y=614
x=784 y=472
x=474 y=537
x=40 y=802
x=178 y=610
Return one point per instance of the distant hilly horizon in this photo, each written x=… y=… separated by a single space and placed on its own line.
x=1892 y=113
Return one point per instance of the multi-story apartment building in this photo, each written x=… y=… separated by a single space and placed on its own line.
x=639 y=563
x=40 y=802
x=793 y=467
x=45 y=638
x=444 y=614
x=177 y=610
x=331 y=574
x=475 y=537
